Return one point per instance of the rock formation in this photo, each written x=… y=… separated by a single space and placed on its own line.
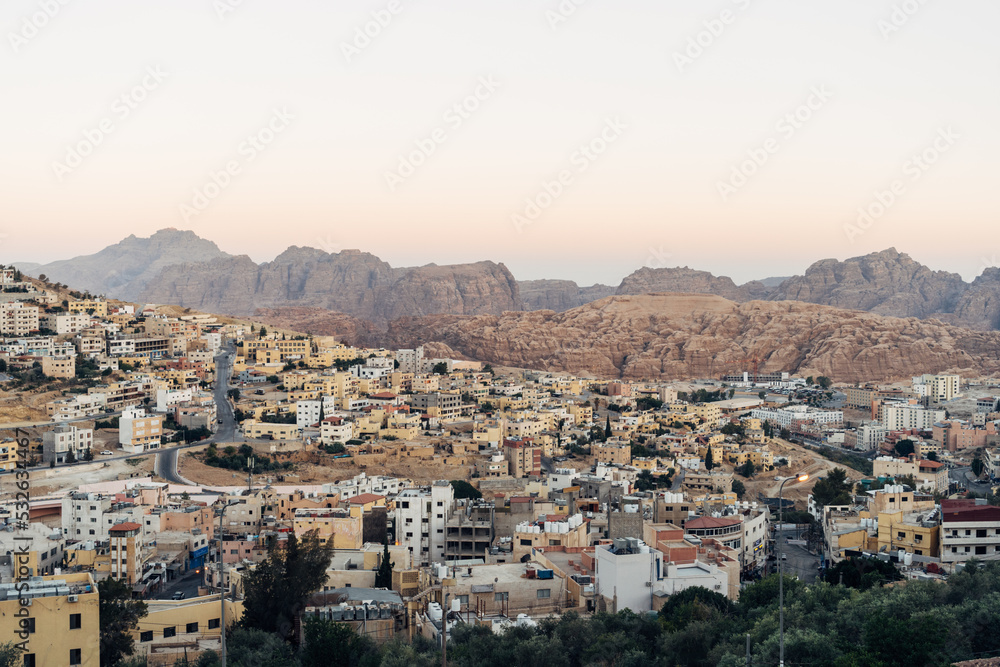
x=559 y=295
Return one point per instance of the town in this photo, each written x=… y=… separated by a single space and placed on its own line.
x=175 y=452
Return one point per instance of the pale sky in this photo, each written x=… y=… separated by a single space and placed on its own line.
x=179 y=87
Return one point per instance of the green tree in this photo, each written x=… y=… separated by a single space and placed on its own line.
x=247 y=646
x=739 y=489
x=824 y=382
x=905 y=447
x=762 y=394
x=977 y=464
x=709 y=461
x=383 y=577
x=834 y=489
x=10 y=655
x=440 y=368
x=465 y=490
x=263 y=332
x=119 y=615
x=330 y=644
x=747 y=469
x=607 y=428
x=275 y=592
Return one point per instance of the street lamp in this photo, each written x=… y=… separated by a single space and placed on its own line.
x=222 y=587
x=801 y=477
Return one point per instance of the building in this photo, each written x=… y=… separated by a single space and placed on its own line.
x=410 y=361
x=902 y=416
x=139 y=431
x=18 y=319
x=58 y=443
x=929 y=476
x=969 y=529
x=938 y=388
x=785 y=417
x=59 y=367
x=615 y=453
x=441 y=405
x=64 y=323
x=173 y=628
x=561 y=532
x=523 y=457
x=60 y=614
x=421 y=521
x=469 y=530
x=126 y=552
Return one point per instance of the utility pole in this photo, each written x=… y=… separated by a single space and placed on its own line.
x=222 y=591
x=748 y=650
x=444 y=629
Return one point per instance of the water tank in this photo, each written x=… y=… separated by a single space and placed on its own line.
x=456 y=605
x=548 y=526
x=644 y=548
x=563 y=527
x=901 y=554
x=908 y=559
x=434 y=611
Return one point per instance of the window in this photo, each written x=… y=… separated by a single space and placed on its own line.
x=213 y=623
x=74 y=656
x=968 y=532
x=900 y=535
x=501 y=597
x=463 y=599
x=525 y=543
x=146 y=636
x=170 y=632
x=553 y=543
x=981 y=532
x=543 y=593
x=980 y=551
x=31 y=625
x=440 y=504
x=74 y=622
x=192 y=627
x=918 y=552
x=29 y=660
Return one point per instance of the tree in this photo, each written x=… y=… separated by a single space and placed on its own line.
x=234 y=394
x=254 y=647
x=809 y=381
x=762 y=394
x=732 y=392
x=824 y=382
x=383 y=577
x=465 y=490
x=10 y=655
x=932 y=456
x=88 y=455
x=977 y=464
x=862 y=573
x=739 y=489
x=441 y=368
x=330 y=644
x=747 y=469
x=834 y=489
x=905 y=447
x=275 y=591
x=70 y=457
x=607 y=428
x=119 y=615
x=263 y=332
x=709 y=461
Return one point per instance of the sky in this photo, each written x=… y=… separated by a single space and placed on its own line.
x=576 y=139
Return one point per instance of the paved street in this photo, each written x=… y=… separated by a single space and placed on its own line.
x=800 y=562
x=188 y=583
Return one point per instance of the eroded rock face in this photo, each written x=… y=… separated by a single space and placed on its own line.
x=887 y=282
x=125 y=269
x=979 y=307
x=683 y=279
x=675 y=336
x=559 y=295
x=351 y=282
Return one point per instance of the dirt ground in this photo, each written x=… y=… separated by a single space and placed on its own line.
x=800 y=460
x=315 y=468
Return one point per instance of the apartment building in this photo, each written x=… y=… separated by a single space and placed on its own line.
x=410 y=361
x=93 y=306
x=58 y=443
x=126 y=551
x=438 y=404
x=59 y=367
x=785 y=417
x=139 y=431
x=615 y=453
x=18 y=319
x=901 y=416
x=62 y=619
x=64 y=323
x=938 y=388
x=969 y=529
x=469 y=530
x=421 y=521
x=523 y=457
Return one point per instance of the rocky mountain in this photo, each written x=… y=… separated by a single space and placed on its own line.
x=887 y=282
x=670 y=336
x=979 y=306
x=559 y=295
x=683 y=279
x=124 y=269
x=350 y=282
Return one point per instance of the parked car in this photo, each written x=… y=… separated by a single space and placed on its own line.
x=179 y=595
x=107 y=452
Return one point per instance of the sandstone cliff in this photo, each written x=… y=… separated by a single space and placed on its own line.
x=559 y=295
x=683 y=279
x=887 y=282
x=351 y=282
x=672 y=336
x=123 y=270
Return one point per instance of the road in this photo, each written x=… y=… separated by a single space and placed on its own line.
x=166 y=459
x=961 y=475
x=800 y=563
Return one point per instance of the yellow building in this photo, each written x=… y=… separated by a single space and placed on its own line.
x=174 y=628
x=342 y=527
x=8 y=454
x=897 y=530
x=126 y=552
x=96 y=306
x=255 y=429
x=614 y=453
x=59 y=367
x=60 y=616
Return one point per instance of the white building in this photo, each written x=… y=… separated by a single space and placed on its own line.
x=18 y=319
x=410 y=361
x=307 y=413
x=938 y=388
x=897 y=416
x=65 y=323
x=139 y=430
x=783 y=417
x=168 y=399
x=330 y=433
x=421 y=517
x=66 y=438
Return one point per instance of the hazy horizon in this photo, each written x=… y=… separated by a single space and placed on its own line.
x=567 y=139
